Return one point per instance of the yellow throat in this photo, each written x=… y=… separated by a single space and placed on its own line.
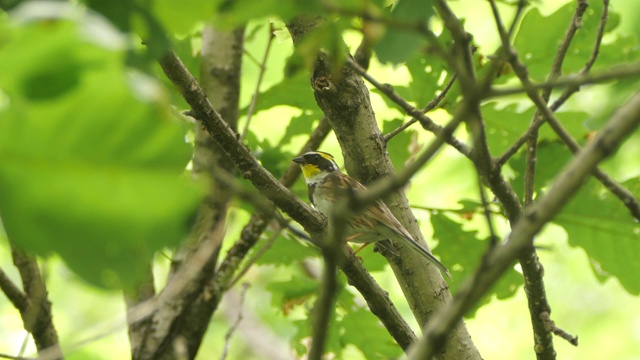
x=308 y=170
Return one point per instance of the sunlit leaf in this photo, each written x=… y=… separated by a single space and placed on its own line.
x=552 y=157
x=364 y=330
x=398 y=44
x=180 y=17
x=287 y=251
x=599 y=223
x=461 y=251
x=282 y=94
x=505 y=125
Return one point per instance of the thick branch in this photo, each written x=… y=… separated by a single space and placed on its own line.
x=237 y=152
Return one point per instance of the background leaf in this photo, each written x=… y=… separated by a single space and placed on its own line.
x=96 y=175
x=596 y=221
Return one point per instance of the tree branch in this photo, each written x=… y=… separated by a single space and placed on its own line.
x=615 y=73
x=622 y=123
x=187 y=315
x=415 y=113
x=280 y=196
x=36 y=316
x=256 y=93
x=13 y=292
x=430 y=106
x=531 y=267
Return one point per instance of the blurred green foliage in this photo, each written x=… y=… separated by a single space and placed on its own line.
x=93 y=156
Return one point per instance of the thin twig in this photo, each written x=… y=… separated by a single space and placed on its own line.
x=324 y=306
x=11 y=357
x=234 y=327
x=551 y=326
x=274 y=236
x=592 y=58
x=456 y=211
x=624 y=195
x=25 y=343
x=430 y=106
x=522 y=4
x=555 y=72
x=532 y=269
x=425 y=121
x=615 y=73
x=256 y=93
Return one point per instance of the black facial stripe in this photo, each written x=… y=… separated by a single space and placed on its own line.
x=321 y=162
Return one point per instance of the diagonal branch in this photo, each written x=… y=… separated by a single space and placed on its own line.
x=430 y=106
x=622 y=123
x=312 y=221
x=36 y=316
x=237 y=152
x=13 y=292
x=424 y=120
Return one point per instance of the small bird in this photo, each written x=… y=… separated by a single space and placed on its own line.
x=325 y=181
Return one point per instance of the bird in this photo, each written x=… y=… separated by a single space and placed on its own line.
x=375 y=223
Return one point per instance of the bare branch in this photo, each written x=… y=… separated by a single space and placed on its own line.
x=531 y=268
x=430 y=106
x=615 y=73
x=622 y=123
x=425 y=121
x=280 y=196
x=234 y=327
x=36 y=316
x=256 y=93
x=13 y=292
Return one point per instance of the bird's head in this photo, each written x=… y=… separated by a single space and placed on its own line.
x=316 y=164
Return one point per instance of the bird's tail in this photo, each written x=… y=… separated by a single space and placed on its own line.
x=427 y=254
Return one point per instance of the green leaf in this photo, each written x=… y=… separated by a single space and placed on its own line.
x=552 y=157
x=539 y=36
x=398 y=146
x=426 y=72
x=93 y=173
x=287 y=251
x=294 y=289
x=363 y=329
x=233 y=13
x=397 y=45
x=300 y=125
x=598 y=222
x=461 y=251
x=505 y=125
x=281 y=94
x=180 y=17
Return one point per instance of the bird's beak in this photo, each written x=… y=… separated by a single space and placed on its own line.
x=299 y=160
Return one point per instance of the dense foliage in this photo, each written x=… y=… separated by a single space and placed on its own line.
x=95 y=149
